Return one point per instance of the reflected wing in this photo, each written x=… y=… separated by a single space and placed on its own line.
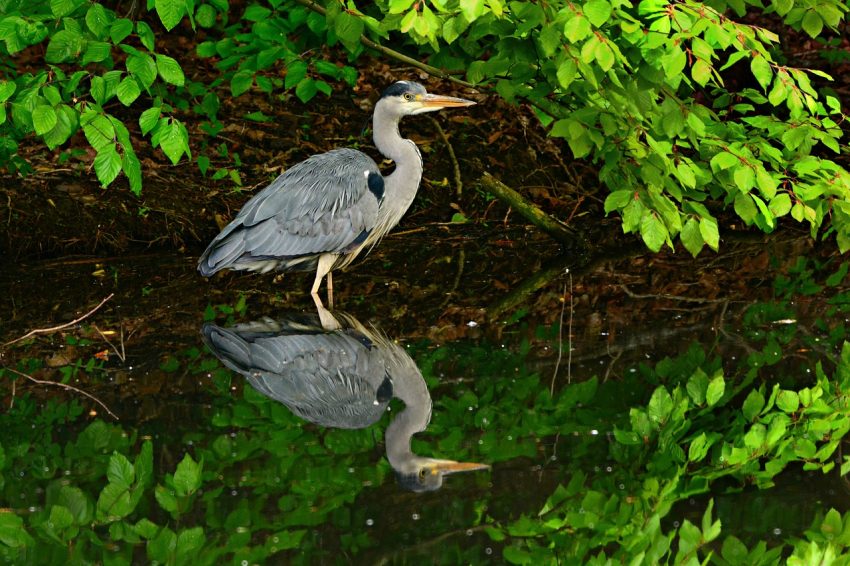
x=325 y=204
x=329 y=379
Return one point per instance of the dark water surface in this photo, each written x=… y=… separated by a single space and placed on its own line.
x=506 y=390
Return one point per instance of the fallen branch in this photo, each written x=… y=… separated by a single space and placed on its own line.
x=64 y=386
x=52 y=329
x=560 y=232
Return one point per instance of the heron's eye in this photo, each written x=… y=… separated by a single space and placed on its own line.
x=408 y=97
x=422 y=473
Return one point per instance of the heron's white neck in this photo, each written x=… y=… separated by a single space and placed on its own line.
x=409 y=386
x=401 y=185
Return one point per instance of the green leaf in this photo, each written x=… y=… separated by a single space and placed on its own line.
x=12 y=531
x=472 y=9
x=64 y=46
x=161 y=548
x=256 y=13
x=205 y=16
x=149 y=119
x=761 y=70
x=744 y=177
x=43 y=119
x=780 y=205
x=189 y=542
x=241 y=82
x=349 y=29
x=120 y=470
x=98 y=130
x=107 y=165
x=143 y=67
x=692 y=237
x=597 y=11
x=701 y=72
x=174 y=140
x=710 y=233
x=306 y=90
x=788 y=401
x=716 y=388
x=120 y=29
x=145 y=33
x=187 y=478
x=7 y=89
x=812 y=23
x=745 y=208
x=653 y=231
x=133 y=170
x=577 y=28
x=170 y=12
x=61 y=8
x=618 y=200
x=166 y=499
x=400 y=6
x=169 y=69
x=98 y=21
x=660 y=405
x=128 y=90
x=753 y=405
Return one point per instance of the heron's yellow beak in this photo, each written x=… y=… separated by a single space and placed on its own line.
x=436 y=101
x=451 y=467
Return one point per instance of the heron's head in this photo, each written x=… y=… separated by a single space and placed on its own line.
x=426 y=474
x=406 y=98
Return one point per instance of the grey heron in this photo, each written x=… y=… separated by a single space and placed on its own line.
x=322 y=212
x=338 y=374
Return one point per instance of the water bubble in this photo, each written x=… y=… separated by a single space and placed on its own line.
x=33 y=509
x=777 y=531
x=472 y=324
x=415 y=516
x=480 y=441
x=244 y=563
x=234 y=493
x=488 y=551
x=609 y=469
x=676 y=524
x=275 y=539
x=510 y=437
x=470 y=407
x=593 y=432
x=369 y=522
x=622 y=486
x=469 y=532
x=350 y=470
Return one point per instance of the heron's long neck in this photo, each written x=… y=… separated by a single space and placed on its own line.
x=409 y=386
x=400 y=187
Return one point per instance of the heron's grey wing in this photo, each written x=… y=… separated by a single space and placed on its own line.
x=329 y=379
x=325 y=204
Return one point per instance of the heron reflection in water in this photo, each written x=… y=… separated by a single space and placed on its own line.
x=335 y=372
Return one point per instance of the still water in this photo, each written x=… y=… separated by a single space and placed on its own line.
x=462 y=405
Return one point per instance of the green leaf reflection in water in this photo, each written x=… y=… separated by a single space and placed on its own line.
x=251 y=482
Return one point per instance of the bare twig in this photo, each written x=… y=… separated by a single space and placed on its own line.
x=633 y=295
x=121 y=354
x=561 y=336
x=64 y=386
x=37 y=331
x=452 y=156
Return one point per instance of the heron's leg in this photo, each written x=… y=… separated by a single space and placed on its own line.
x=331 y=290
x=326 y=262
x=328 y=321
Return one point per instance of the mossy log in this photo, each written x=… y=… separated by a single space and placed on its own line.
x=560 y=232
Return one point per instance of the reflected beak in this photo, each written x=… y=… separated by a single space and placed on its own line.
x=451 y=467
x=436 y=101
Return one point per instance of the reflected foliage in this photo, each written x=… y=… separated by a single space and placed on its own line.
x=638 y=469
